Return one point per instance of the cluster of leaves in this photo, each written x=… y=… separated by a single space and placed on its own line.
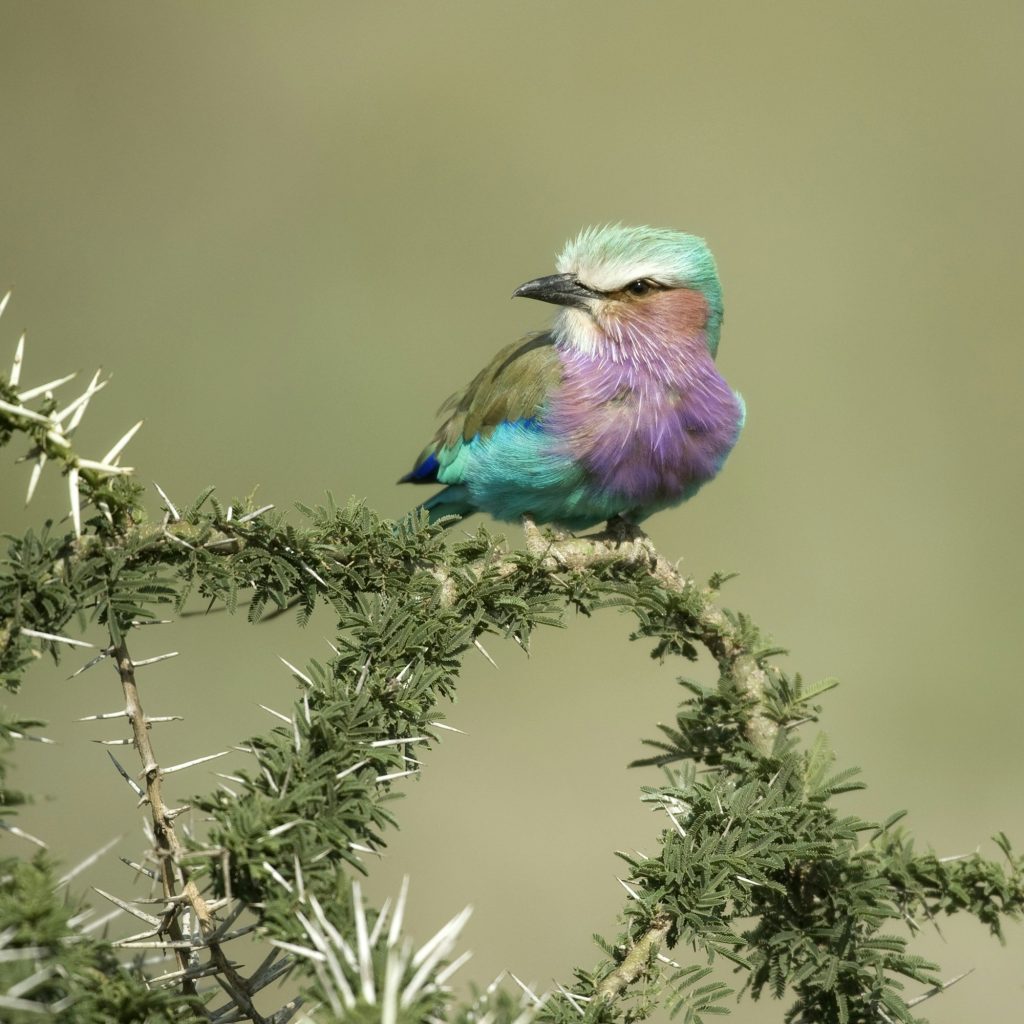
x=78 y=978
x=756 y=864
x=759 y=867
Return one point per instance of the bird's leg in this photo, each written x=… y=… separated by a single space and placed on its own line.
x=619 y=530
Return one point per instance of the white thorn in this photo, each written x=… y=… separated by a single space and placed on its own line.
x=135 y=787
x=39 y=389
x=526 y=989
x=483 y=650
x=22 y=834
x=349 y=771
x=279 y=830
x=395 y=743
x=443 y=975
x=394 y=968
x=54 y=636
x=363 y=945
x=153 y=661
x=175 y=514
x=397 y=775
x=105 y=467
x=571 y=999
x=178 y=540
x=300 y=675
x=93 y=661
x=442 y=939
x=190 y=764
x=394 y=932
x=19 y=352
x=291 y=947
x=28 y=414
x=941 y=987
x=315 y=575
x=76 y=501
x=116 y=450
x=277 y=876
x=33 y=480
x=15 y=735
x=253 y=515
x=378 y=925
x=276 y=714
x=82 y=402
x=629 y=889
x=129 y=909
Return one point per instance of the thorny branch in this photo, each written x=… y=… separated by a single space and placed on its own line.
x=621 y=544
x=629 y=545
x=173 y=877
x=637 y=961
x=620 y=551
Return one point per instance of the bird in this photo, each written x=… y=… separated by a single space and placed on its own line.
x=616 y=412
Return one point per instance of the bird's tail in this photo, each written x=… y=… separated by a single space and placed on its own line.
x=452 y=501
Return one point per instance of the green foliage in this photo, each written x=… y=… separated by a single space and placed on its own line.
x=757 y=865
x=83 y=980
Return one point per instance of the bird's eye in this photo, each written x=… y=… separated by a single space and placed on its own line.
x=639 y=287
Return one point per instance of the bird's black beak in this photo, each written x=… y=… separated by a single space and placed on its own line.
x=561 y=289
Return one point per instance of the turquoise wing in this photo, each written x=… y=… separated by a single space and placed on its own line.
x=510 y=392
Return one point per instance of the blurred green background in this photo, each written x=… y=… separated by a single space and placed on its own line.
x=291 y=230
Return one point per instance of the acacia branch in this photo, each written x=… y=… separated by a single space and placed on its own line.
x=629 y=546
x=174 y=879
x=637 y=961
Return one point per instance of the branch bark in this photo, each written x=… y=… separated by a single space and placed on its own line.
x=637 y=961
x=174 y=879
x=628 y=545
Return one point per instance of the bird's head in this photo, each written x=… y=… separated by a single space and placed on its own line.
x=616 y=283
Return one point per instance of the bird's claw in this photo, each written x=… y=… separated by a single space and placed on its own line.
x=619 y=530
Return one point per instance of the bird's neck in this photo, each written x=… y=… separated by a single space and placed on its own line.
x=660 y=339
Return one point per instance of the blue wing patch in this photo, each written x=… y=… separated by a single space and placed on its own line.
x=424 y=472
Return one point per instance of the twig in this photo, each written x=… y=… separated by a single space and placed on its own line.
x=637 y=960
x=174 y=879
x=628 y=546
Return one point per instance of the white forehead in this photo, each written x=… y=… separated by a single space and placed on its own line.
x=608 y=258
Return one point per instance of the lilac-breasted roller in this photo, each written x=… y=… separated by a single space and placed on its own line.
x=617 y=410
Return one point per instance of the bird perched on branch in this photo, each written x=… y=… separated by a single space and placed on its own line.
x=617 y=411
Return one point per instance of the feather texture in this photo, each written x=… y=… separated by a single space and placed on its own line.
x=618 y=410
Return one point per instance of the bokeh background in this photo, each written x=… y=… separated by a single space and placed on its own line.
x=291 y=230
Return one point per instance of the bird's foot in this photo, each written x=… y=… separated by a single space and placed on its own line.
x=620 y=541
x=619 y=530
